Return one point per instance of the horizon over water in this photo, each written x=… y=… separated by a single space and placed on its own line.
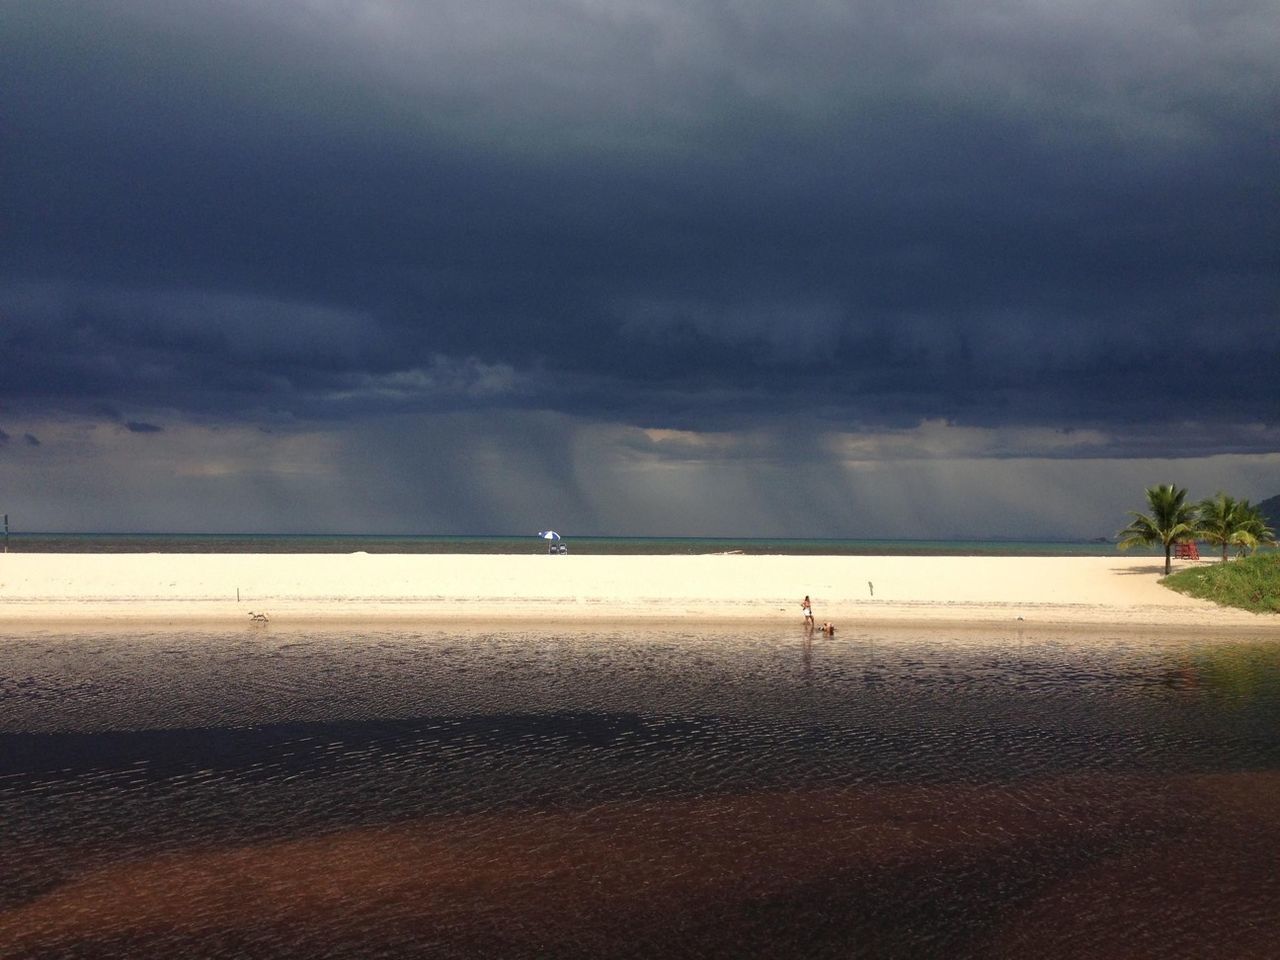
x=507 y=544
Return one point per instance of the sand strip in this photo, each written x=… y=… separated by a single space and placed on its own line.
x=1122 y=590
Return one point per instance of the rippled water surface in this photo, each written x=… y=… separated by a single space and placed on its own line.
x=638 y=793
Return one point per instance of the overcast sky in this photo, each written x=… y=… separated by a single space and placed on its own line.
x=869 y=268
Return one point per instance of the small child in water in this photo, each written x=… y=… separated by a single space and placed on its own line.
x=829 y=629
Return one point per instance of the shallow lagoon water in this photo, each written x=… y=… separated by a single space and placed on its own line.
x=638 y=792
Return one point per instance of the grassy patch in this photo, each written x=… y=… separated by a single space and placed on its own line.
x=1250 y=583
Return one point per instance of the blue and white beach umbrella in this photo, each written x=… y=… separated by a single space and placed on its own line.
x=549 y=535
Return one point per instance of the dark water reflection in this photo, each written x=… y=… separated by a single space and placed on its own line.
x=637 y=793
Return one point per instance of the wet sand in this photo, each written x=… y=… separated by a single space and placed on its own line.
x=479 y=589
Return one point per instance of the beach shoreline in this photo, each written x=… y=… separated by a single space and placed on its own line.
x=220 y=589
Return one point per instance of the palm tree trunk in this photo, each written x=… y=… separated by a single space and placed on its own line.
x=1168 y=559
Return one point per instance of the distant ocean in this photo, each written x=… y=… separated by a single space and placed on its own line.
x=352 y=543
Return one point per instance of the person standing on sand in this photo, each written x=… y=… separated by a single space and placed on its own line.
x=807 y=608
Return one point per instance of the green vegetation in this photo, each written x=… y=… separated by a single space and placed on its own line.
x=1251 y=583
x=1259 y=527
x=1227 y=522
x=1270 y=510
x=1171 y=519
x=1220 y=520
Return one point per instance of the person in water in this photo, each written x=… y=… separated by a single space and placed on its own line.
x=807 y=608
x=829 y=629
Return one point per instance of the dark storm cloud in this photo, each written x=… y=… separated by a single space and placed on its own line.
x=685 y=216
x=31 y=440
x=140 y=426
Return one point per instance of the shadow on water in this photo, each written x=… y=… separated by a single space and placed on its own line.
x=638 y=793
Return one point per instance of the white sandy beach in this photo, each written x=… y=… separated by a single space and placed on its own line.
x=475 y=589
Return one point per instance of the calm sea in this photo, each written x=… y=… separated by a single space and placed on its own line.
x=351 y=543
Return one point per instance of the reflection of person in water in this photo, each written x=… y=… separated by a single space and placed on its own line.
x=806 y=656
x=807 y=608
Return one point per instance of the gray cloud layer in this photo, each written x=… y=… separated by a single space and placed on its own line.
x=717 y=215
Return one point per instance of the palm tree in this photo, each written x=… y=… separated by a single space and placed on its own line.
x=1172 y=519
x=1255 y=526
x=1227 y=522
